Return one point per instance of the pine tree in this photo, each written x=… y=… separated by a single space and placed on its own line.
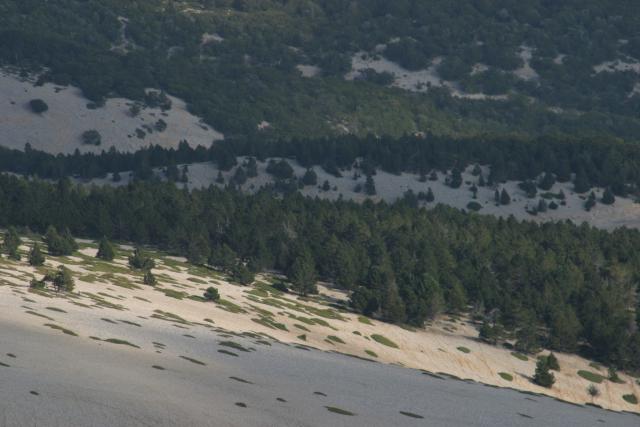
x=543 y=377
x=430 y=197
x=11 y=244
x=542 y=206
x=36 y=257
x=547 y=181
x=607 y=197
x=63 y=280
x=581 y=182
x=105 y=250
x=552 y=362
x=505 y=199
x=149 y=278
x=220 y=178
x=370 y=186
x=310 y=177
x=211 y=294
x=252 y=167
x=303 y=275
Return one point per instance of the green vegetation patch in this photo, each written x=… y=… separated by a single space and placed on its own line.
x=505 y=376
x=371 y=353
x=229 y=306
x=365 y=320
x=520 y=356
x=33 y=313
x=234 y=345
x=630 y=398
x=411 y=415
x=591 y=376
x=335 y=339
x=463 y=350
x=380 y=339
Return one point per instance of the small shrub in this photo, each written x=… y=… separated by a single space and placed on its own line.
x=505 y=376
x=384 y=341
x=593 y=390
x=630 y=398
x=91 y=137
x=38 y=106
x=590 y=376
x=211 y=294
x=464 y=350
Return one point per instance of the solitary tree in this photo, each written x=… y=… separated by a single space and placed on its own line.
x=505 y=199
x=370 y=186
x=140 y=261
x=552 y=362
x=608 y=198
x=310 y=177
x=211 y=294
x=543 y=377
x=36 y=257
x=38 y=106
x=11 y=244
x=105 y=250
x=63 y=280
x=149 y=278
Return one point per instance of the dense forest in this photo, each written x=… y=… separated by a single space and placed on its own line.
x=569 y=287
x=588 y=162
x=245 y=71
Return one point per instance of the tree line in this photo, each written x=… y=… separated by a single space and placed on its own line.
x=556 y=284
x=588 y=162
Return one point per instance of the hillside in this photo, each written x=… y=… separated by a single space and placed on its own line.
x=265 y=341
x=316 y=68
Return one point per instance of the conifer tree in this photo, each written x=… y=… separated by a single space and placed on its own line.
x=105 y=250
x=543 y=377
x=36 y=257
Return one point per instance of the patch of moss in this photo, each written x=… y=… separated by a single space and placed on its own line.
x=591 y=376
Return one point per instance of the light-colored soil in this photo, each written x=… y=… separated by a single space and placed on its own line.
x=59 y=130
x=182 y=325
x=624 y=213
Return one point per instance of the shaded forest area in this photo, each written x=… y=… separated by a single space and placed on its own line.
x=565 y=286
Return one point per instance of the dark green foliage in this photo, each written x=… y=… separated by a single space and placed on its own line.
x=211 y=294
x=491 y=333
x=105 y=250
x=591 y=202
x=62 y=279
x=455 y=181
x=140 y=260
x=607 y=197
x=38 y=106
x=36 y=257
x=11 y=244
x=149 y=278
x=252 y=167
x=552 y=362
x=310 y=177
x=402 y=263
x=474 y=206
x=543 y=377
x=60 y=244
x=241 y=274
x=91 y=137
x=280 y=169
x=302 y=274
x=370 y=186
x=240 y=176
x=505 y=199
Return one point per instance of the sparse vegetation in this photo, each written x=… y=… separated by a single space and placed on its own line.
x=384 y=341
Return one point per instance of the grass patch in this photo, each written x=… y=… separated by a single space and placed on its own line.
x=505 y=376
x=120 y=342
x=371 y=353
x=335 y=339
x=61 y=329
x=463 y=349
x=227 y=352
x=174 y=294
x=192 y=360
x=591 y=376
x=301 y=327
x=56 y=309
x=365 y=320
x=630 y=398
x=131 y=323
x=380 y=339
x=519 y=356
x=339 y=411
x=158 y=367
x=229 y=306
x=302 y=337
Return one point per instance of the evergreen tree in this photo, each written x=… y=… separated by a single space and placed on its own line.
x=36 y=257
x=552 y=362
x=63 y=280
x=149 y=278
x=607 y=197
x=581 y=182
x=456 y=178
x=542 y=206
x=310 y=177
x=547 y=181
x=252 y=167
x=591 y=202
x=240 y=176
x=140 y=261
x=11 y=244
x=505 y=199
x=370 y=186
x=220 y=178
x=430 y=197
x=57 y=244
x=211 y=294
x=241 y=274
x=105 y=250
x=543 y=377
x=302 y=275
